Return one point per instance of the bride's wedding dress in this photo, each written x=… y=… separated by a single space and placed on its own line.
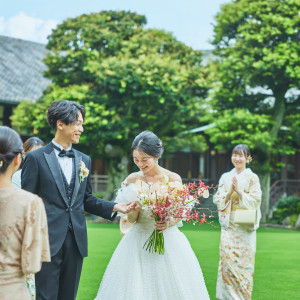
x=135 y=274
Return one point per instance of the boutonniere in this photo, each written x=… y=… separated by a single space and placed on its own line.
x=83 y=171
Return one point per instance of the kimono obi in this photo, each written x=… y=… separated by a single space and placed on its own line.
x=235 y=202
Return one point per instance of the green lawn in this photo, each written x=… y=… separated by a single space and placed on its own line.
x=277 y=268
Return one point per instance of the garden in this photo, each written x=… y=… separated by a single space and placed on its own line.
x=276 y=269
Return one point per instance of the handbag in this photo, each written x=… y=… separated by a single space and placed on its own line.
x=245 y=216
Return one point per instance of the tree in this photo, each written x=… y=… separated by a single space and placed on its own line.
x=129 y=79
x=257 y=44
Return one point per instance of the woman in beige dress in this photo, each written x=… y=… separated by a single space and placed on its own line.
x=24 y=242
x=238 y=192
x=30 y=144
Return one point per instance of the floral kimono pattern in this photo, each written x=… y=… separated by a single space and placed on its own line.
x=238 y=242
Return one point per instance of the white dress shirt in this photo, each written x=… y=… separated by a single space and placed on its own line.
x=66 y=163
x=16 y=179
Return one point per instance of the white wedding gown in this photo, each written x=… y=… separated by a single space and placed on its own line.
x=135 y=274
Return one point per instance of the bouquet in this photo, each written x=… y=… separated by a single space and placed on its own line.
x=169 y=201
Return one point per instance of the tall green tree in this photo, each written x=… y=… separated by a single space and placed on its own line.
x=258 y=71
x=128 y=78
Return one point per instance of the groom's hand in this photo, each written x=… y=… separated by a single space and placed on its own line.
x=125 y=208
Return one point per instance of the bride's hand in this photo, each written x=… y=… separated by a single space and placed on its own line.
x=125 y=208
x=161 y=226
x=136 y=206
x=134 y=213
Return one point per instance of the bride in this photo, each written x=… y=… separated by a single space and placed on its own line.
x=135 y=274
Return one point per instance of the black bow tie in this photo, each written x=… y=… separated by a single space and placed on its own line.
x=68 y=153
x=63 y=153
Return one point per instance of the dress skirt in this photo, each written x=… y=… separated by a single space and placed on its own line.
x=135 y=274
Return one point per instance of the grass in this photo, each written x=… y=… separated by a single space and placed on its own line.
x=277 y=267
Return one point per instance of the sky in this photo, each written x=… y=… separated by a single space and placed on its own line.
x=190 y=21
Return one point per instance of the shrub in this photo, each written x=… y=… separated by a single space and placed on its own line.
x=290 y=202
x=293 y=219
x=286 y=206
x=99 y=195
x=280 y=214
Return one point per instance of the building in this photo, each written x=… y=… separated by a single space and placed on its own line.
x=21 y=74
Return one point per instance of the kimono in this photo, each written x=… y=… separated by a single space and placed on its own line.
x=238 y=241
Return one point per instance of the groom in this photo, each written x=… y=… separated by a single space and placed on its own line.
x=60 y=175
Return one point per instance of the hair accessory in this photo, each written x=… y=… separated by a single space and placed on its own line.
x=1 y=163
x=249 y=159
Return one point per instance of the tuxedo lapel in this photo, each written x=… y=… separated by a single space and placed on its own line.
x=54 y=168
x=77 y=171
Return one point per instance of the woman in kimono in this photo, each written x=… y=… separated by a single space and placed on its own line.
x=24 y=242
x=238 y=190
x=30 y=144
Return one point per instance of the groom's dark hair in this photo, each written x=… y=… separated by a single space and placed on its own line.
x=65 y=111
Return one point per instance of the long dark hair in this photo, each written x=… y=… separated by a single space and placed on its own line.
x=149 y=143
x=32 y=142
x=65 y=111
x=10 y=145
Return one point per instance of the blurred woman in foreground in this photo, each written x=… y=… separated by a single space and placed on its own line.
x=30 y=144
x=24 y=241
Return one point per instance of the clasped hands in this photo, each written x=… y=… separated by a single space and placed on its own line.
x=234 y=188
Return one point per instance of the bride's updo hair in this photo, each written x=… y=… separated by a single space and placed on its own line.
x=10 y=145
x=149 y=143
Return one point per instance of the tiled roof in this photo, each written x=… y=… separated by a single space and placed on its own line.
x=21 y=70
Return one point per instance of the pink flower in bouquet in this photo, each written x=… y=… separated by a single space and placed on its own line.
x=169 y=201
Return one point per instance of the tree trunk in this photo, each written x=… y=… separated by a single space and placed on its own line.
x=278 y=115
x=117 y=172
x=265 y=180
x=279 y=112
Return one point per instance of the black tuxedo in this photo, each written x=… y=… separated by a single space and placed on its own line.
x=42 y=175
